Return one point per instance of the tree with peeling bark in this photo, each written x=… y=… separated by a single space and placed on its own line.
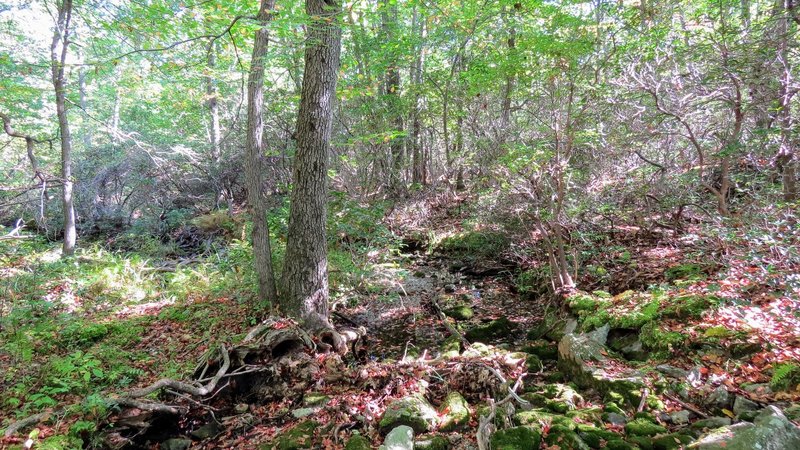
x=305 y=273
x=262 y=252
x=58 y=57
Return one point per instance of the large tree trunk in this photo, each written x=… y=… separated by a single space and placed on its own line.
x=262 y=253
x=305 y=274
x=785 y=158
x=417 y=67
x=58 y=55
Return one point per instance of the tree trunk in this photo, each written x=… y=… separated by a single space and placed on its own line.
x=58 y=55
x=785 y=158
x=396 y=183
x=213 y=105
x=417 y=172
x=87 y=132
x=305 y=274
x=262 y=253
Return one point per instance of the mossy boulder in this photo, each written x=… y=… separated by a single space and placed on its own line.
x=516 y=438
x=595 y=437
x=535 y=417
x=454 y=412
x=435 y=442
x=493 y=330
x=400 y=438
x=590 y=415
x=565 y=438
x=619 y=444
x=771 y=430
x=643 y=427
x=413 y=411
x=671 y=441
x=546 y=351
x=299 y=437
x=460 y=312
x=358 y=442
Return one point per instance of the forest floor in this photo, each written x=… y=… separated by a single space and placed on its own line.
x=673 y=334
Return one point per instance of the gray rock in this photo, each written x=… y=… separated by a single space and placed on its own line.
x=711 y=423
x=672 y=371
x=742 y=405
x=454 y=412
x=400 y=438
x=599 y=335
x=680 y=417
x=719 y=398
x=413 y=410
x=615 y=419
x=241 y=408
x=299 y=413
x=176 y=444
x=449 y=288
x=208 y=430
x=580 y=348
x=758 y=388
x=770 y=431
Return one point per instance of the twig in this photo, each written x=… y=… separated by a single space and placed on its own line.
x=687 y=406
x=30 y=420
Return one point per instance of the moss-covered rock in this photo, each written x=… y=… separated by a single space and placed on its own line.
x=643 y=442
x=460 y=312
x=413 y=410
x=619 y=444
x=435 y=442
x=536 y=417
x=358 y=442
x=516 y=438
x=546 y=351
x=454 y=412
x=565 y=438
x=299 y=437
x=671 y=441
x=493 y=330
x=643 y=427
x=592 y=415
x=595 y=437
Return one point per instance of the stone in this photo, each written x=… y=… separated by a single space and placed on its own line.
x=719 y=398
x=176 y=444
x=680 y=417
x=454 y=412
x=546 y=351
x=535 y=417
x=400 y=438
x=771 y=430
x=461 y=312
x=619 y=444
x=711 y=423
x=615 y=419
x=315 y=399
x=299 y=413
x=757 y=388
x=449 y=288
x=299 y=437
x=642 y=427
x=358 y=442
x=516 y=438
x=629 y=346
x=671 y=441
x=593 y=436
x=493 y=330
x=743 y=405
x=207 y=431
x=241 y=408
x=672 y=371
x=565 y=438
x=600 y=335
x=413 y=411
x=436 y=442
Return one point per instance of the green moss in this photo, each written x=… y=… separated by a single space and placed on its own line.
x=493 y=330
x=565 y=438
x=533 y=363
x=643 y=442
x=414 y=411
x=593 y=436
x=436 y=442
x=672 y=441
x=475 y=244
x=653 y=337
x=619 y=444
x=536 y=417
x=585 y=302
x=358 y=442
x=684 y=271
x=454 y=412
x=642 y=427
x=299 y=437
x=585 y=415
x=516 y=438
x=461 y=312
x=546 y=351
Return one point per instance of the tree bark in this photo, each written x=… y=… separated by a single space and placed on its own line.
x=58 y=56
x=262 y=252
x=396 y=184
x=785 y=159
x=417 y=67
x=305 y=274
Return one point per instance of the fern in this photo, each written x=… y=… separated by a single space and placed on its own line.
x=784 y=374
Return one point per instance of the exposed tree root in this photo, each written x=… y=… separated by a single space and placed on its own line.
x=264 y=346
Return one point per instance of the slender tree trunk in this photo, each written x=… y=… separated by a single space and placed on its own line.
x=389 y=24
x=417 y=67
x=305 y=273
x=786 y=158
x=262 y=252
x=87 y=132
x=213 y=104
x=58 y=56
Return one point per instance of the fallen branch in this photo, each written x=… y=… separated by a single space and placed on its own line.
x=687 y=406
x=448 y=325
x=30 y=420
x=486 y=423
